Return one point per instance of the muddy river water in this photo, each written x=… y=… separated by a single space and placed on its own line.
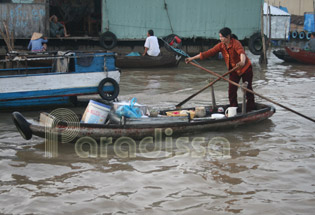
x=269 y=167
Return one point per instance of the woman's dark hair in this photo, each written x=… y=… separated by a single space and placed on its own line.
x=234 y=36
x=226 y=32
x=151 y=32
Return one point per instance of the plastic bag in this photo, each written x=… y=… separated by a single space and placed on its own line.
x=129 y=111
x=134 y=54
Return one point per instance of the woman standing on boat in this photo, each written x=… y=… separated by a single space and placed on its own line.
x=234 y=55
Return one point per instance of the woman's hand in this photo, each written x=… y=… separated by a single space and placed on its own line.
x=187 y=60
x=242 y=62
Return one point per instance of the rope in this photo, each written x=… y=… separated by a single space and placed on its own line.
x=169 y=19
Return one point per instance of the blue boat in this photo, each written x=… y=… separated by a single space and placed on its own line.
x=26 y=81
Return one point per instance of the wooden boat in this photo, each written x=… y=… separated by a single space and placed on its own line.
x=164 y=60
x=70 y=75
x=301 y=55
x=138 y=128
x=283 y=55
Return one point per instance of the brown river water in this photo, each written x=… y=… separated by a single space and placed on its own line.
x=269 y=167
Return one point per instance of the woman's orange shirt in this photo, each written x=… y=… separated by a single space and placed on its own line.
x=231 y=54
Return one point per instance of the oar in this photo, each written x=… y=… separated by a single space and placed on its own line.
x=178 y=106
x=250 y=91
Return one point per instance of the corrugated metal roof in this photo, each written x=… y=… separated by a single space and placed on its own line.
x=131 y=19
x=274 y=11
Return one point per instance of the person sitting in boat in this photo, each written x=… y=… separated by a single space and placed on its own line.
x=310 y=45
x=234 y=55
x=56 y=28
x=151 y=45
x=37 y=43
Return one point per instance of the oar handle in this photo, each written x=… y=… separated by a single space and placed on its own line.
x=250 y=91
x=178 y=106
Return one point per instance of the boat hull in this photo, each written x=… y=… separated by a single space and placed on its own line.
x=302 y=56
x=139 y=129
x=147 y=61
x=36 y=87
x=283 y=55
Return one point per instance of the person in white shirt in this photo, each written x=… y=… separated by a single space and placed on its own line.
x=151 y=45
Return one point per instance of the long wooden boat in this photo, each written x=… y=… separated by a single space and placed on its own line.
x=283 y=55
x=138 y=128
x=164 y=60
x=59 y=83
x=301 y=55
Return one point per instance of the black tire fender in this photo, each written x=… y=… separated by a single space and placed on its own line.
x=255 y=44
x=302 y=35
x=294 y=34
x=22 y=125
x=108 y=40
x=109 y=96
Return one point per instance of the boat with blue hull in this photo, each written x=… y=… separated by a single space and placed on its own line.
x=70 y=74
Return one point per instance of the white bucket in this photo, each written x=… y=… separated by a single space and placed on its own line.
x=95 y=113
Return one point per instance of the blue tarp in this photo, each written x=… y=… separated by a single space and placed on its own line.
x=134 y=54
x=309 y=22
x=284 y=9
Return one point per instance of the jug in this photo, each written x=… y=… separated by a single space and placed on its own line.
x=231 y=111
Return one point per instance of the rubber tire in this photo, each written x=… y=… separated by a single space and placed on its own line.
x=108 y=36
x=294 y=34
x=255 y=40
x=168 y=39
x=302 y=35
x=105 y=95
x=22 y=125
x=308 y=35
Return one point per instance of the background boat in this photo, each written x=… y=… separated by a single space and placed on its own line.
x=164 y=60
x=301 y=55
x=283 y=55
x=71 y=74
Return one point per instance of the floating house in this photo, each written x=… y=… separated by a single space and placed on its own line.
x=128 y=21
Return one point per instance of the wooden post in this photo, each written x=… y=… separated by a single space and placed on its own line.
x=263 y=56
x=213 y=97
x=269 y=15
x=244 y=98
